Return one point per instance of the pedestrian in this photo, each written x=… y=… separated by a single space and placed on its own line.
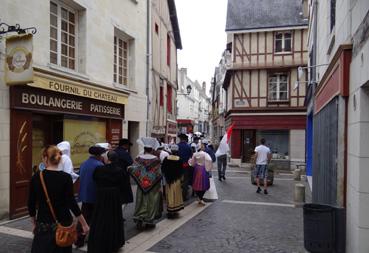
x=211 y=153
x=202 y=163
x=146 y=172
x=173 y=172
x=107 y=227
x=185 y=154
x=262 y=158
x=162 y=154
x=66 y=164
x=59 y=187
x=221 y=163
x=87 y=188
x=125 y=160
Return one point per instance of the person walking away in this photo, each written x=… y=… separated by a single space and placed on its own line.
x=221 y=164
x=185 y=154
x=202 y=163
x=87 y=188
x=146 y=172
x=162 y=154
x=125 y=160
x=66 y=164
x=59 y=186
x=107 y=226
x=211 y=153
x=173 y=172
x=262 y=158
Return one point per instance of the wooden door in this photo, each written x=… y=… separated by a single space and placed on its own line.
x=248 y=144
x=20 y=161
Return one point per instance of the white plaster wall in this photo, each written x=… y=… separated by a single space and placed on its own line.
x=358 y=142
x=297 y=145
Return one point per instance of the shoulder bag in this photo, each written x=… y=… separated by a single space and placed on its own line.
x=64 y=236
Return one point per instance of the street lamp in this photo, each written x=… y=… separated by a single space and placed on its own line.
x=188 y=89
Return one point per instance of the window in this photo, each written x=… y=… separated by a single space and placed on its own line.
x=278 y=87
x=333 y=14
x=121 y=60
x=161 y=96
x=283 y=42
x=156 y=28
x=63 y=35
x=168 y=50
x=169 y=99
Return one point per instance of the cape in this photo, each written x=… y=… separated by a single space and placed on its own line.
x=146 y=172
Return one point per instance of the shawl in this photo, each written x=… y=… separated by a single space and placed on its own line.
x=146 y=172
x=172 y=169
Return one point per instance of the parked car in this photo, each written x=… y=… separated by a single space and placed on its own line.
x=270 y=178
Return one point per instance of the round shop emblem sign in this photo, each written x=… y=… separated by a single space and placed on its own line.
x=19 y=59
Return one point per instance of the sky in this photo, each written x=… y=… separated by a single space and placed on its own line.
x=202 y=27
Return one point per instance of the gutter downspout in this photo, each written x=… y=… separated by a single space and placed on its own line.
x=148 y=66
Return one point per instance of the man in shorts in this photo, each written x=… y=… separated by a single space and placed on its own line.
x=262 y=158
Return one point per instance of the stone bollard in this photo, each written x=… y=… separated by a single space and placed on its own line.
x=299 y=196
x=297 y=175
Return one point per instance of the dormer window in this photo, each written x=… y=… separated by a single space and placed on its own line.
x=283 y=42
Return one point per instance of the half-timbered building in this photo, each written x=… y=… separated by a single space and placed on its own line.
x=264 y=100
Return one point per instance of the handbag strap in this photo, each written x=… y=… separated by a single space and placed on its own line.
x=47 y=196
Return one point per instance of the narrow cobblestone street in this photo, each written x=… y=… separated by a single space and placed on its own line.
x=239 y=221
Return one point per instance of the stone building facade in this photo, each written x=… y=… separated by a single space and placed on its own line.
x=86 y=53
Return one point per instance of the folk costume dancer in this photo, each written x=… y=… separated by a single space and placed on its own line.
x=87 y=189
x=173 y=172
x=146 y=172
x=66 y=164
x=107 y=229
x=202 y=163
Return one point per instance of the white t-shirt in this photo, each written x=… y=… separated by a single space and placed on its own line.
x=262 y=158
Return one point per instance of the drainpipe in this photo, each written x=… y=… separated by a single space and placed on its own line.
x=148 y=35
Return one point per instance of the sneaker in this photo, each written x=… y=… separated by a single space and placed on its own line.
x=220 y=179
x=265 y=191
x=258 y=190
x=224 y=178
x=202 y=203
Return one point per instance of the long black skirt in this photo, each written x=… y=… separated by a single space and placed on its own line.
x=106 y=230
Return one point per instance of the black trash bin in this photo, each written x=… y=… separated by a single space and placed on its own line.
x=319 y=236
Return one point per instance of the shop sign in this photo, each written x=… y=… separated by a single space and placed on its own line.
x=30 y=98
x=172 y=128
x=158 y=130
x=18 y=63
x=70 y=87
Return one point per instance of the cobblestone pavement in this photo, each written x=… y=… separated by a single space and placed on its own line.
x=236 y=224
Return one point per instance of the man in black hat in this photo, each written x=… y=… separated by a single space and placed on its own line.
x=185 y=153
x=87 y=189
x=125 y=160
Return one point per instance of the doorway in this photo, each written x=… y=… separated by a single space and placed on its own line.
x=248 y=144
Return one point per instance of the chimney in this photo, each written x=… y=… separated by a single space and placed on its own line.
x=184 y=71
x=305 y=8
x=204 y=86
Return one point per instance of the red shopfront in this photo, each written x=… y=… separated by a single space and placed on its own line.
x=248 y=130
x=40 y=117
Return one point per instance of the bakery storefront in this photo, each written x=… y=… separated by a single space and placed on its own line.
x=52 y=109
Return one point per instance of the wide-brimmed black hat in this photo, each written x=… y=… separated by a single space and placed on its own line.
x=96 y=150
x=125 y=141
x=183 y=136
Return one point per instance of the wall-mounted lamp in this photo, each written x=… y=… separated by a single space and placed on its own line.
x=301 y=72
x=188 y=89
